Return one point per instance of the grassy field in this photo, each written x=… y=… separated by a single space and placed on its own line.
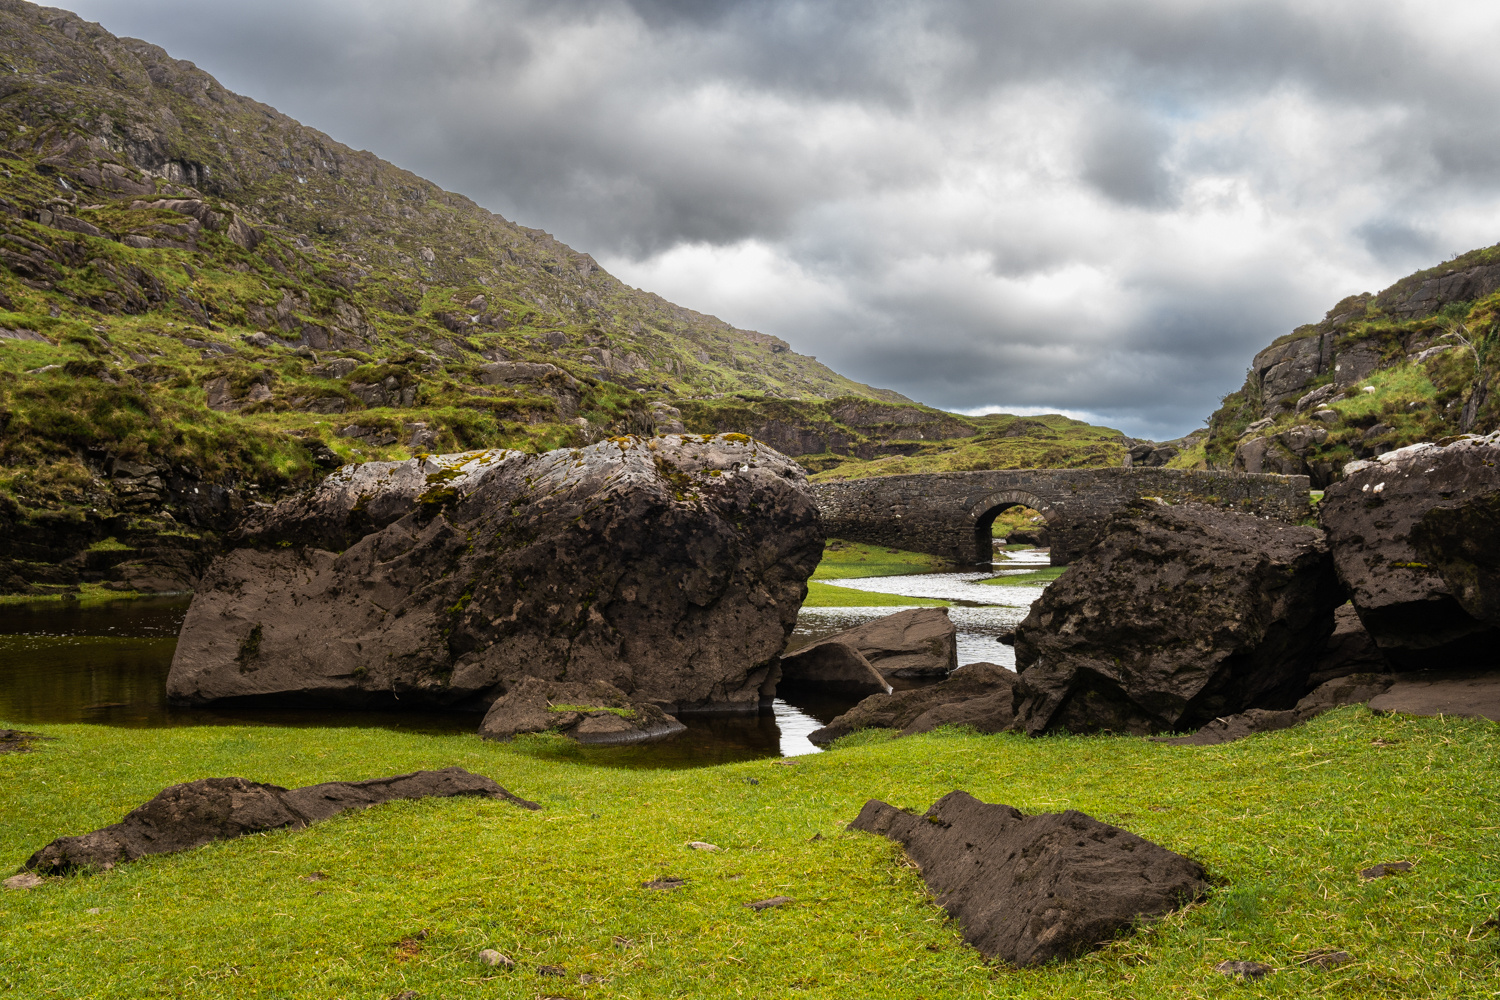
x=1283 y=822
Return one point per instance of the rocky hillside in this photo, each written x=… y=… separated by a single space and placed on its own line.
x=1409 y=364
x=204 y=304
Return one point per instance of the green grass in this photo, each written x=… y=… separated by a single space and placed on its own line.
x=827 y=595
x=848 y=560
x=84 y=593
x=624 y=713
x=1283 y=823
x=1401 y=385
x=1044 y=575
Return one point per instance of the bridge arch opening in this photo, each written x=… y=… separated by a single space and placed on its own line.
x=986 y=509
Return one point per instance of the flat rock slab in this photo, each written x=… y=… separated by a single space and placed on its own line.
x=1029 y=889
x=1352 y=689
x=1473 y=696
x=920 y=643
x=198 y=812
x=979 y=695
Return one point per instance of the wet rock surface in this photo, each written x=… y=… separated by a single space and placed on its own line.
x=672 y=568
x=1181 y=615
x=1029 y=889
x=920 y=643
x=1413 y=535
x=977 y=694
x=198 y=812
x=589 y=713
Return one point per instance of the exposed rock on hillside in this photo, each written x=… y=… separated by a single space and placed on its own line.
x=671 y=568
x=1414 y=535
x=196 y=813
x=1030 y=889
x=979 y=695
x=1379 y=372
x=1179 y=616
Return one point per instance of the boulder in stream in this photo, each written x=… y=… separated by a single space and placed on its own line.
x=590 y=713
x=916 y=644
x=1180 y=615
x=670 y=568
x=1414 y=535
x=978 y=695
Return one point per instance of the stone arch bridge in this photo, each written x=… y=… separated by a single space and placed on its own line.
x=950 y=514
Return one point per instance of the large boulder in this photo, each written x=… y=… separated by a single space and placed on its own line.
x=671 y=568
x=1181 y=614
x=917 y=644
x=1414 y=534
x=589 y=713
x=1029 y=889
x=978 y=695
x=190 y=815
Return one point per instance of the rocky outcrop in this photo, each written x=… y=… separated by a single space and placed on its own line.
x=1030 y=889
x=1179 y=616
x=978 y=695
x=672 y=568
x=190 y=815
x=589 y=713
x=1413 y=535
x=918 y=644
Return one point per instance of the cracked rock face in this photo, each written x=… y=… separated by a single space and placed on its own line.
x=1414 y=535
x=671 y=568
x=1178 y=616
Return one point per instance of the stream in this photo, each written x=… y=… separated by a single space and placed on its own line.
x=107 y=664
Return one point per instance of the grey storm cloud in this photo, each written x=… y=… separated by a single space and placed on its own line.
x=1098 y=206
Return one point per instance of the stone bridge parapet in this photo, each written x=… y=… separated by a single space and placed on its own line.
x=949 y=514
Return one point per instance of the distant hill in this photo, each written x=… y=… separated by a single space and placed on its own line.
x=204 y=303
x=1411 y=363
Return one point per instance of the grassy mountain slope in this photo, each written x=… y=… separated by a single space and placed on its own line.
x=1412 y=363
x=204 y=303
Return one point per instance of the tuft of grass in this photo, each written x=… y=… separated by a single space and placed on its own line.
x=624 y=713
x=849 y=560
x=827 y=595
x=1030 y=579
x=1284 y=822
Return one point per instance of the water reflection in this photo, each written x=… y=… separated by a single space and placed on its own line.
x=107 y=663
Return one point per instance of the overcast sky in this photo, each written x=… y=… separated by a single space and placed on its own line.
x=1100 y=207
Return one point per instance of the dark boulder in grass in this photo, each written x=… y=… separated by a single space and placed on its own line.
x=978 y=695
x=1414 y=535
x=1180 y=615
x=671 y=568
x=916 y=644
x=190 y=815
x=589 y=713
x=1030 y=889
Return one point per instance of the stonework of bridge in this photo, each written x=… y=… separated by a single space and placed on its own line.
x=950 y=514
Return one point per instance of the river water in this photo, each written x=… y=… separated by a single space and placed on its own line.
x=107 y=663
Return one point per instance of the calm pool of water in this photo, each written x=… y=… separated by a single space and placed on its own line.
x=107 y=663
